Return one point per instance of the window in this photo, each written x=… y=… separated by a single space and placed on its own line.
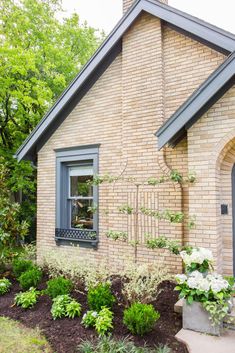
x=76 y=196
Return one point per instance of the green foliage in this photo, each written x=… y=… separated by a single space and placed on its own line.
x=89 y=318
x=12 y=229
x=103 y=322
x=100 y=296
x=64 y=305
x=172 y=217
x=176 y=176
x=19 y=266
x=58 y=286
x=164 y=243
x=73 y=309
x=40 y=55
x=126 y=209
x=106 y=344
x=217 y=310
x=30 y=278
x=5 y=285
x=27 y=299
x=140 y=318
x=117 y=235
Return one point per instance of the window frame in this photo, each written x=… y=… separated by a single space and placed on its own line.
x=64 y=159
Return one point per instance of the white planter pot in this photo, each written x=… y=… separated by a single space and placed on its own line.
x=196 y=318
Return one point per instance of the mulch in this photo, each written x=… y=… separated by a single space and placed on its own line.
x=65 y=335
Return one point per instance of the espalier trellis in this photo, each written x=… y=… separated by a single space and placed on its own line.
x=138 y=209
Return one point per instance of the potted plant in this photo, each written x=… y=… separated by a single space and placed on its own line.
x=206 y=300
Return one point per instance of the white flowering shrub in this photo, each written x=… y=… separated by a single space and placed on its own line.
x=200 y=259
x=212 y=290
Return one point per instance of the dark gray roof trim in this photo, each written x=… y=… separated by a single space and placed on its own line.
x=198 y=103
x=213 y=36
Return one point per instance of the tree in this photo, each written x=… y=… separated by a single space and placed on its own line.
x=40 y=55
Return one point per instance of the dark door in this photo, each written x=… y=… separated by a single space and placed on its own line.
x=233 y=203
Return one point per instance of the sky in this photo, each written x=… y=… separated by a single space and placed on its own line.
x=104 y=14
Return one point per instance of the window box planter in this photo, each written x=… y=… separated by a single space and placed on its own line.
x=196 y=318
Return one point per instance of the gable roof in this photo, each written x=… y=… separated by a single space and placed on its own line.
x=198 y=103
x=206 y=33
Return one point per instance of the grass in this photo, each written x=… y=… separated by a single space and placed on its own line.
x=16 y=338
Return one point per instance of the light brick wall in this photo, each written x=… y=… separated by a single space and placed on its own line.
x=206 y=156
x=121 y=112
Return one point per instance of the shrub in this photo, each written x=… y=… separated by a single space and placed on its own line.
x=73 y=309
x=64 y=305
x=59 y=264
x=140 y=318
x=19 y=266
x=89 y=318
x=101 y=321
x=30 y=278
x=141 y=282
x=27 y=299
x=106 y=344
x=5 y=285
x=100 y=296
x=58 y=286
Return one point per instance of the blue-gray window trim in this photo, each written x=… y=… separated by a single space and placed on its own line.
x=63 y=158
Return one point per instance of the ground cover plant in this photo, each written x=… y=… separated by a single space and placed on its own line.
x=5 y=285
x=64 y=305
x=17 y=338
x=110 y=345
x=27 y=299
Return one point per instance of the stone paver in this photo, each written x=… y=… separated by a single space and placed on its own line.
x=198 y=342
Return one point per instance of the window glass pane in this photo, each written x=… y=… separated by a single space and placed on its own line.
x=79 y=176
x=81 y=217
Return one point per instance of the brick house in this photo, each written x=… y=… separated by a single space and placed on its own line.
x=157 y=96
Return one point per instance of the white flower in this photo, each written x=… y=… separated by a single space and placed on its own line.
x=198 y=256
x=194 y=280
x=204 y=285
x=181 y=278
x=94 y=314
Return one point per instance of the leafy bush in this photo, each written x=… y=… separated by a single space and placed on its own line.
x=140 y=318
x=106 y=344
x=89 y=318
x=101 y=321
x=100 y=296
x=140 y=282
x=5 y=285
x=58 y=286
x=27 y=299
x=64 y=305
x=73 y=309
x=19 y=266
x=30 y=278
x=59 y=264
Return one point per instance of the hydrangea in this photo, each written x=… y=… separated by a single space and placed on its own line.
x=198 y=256
x=181 y=278
x=214 y=282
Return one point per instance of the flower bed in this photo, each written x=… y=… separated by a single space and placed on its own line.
x=66 y=334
